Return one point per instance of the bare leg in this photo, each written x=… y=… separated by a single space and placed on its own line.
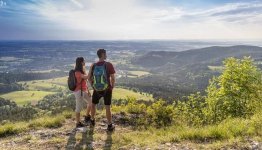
x=88 y=110
x=108 y=114
x=93 y=111
x=89 y=106
x=77 y=117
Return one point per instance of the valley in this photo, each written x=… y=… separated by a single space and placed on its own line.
x=164 y=97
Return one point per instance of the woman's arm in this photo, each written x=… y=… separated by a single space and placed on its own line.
x=89 y=76
x=84 y=76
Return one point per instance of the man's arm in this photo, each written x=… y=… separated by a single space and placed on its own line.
x=112 y=80
x=90 y=74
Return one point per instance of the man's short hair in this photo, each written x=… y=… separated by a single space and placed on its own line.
x=100 y=52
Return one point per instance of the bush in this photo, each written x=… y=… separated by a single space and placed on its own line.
x=160 y=114
x=191 y=110
x=57 y=103
x=135 y=108
x=256 y=124
x=9 y=110
x=236 y=92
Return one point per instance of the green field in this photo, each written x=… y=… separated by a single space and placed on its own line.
x=53 y=85
x=23 y=97
x=120 y=93
x=134 y=74
x=44 y=71
x=37 y=89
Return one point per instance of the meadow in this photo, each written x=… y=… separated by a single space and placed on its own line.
x=24 y=97
x=36 y=90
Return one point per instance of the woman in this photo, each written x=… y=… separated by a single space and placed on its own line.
x=81 y=92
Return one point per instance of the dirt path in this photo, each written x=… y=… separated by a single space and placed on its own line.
x=66 y=137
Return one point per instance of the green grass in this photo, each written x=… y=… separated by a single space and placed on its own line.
x=38 y=89
x=47 y=121
x=120 y=93
x=44 y=71
x=12 y=128
x=23 y=97
x=229 y=130
x=45 y=85
x=56 y=140
x=43 y=122
x=67 y=114
x=138 y=73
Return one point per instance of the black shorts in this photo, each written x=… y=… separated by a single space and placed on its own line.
x=106 y=94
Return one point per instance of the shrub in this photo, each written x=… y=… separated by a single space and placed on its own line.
x=160 y=114
x=191 y=110
x=9 y=110
x=236 y=92
x=57 y=103
x=135 y=108
x=256 y=124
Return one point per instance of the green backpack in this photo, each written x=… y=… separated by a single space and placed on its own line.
x=100 y=82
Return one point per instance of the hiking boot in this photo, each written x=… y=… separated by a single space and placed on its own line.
x=111 y=127
x=92 y=122
x=79 y=125
x=87 y=119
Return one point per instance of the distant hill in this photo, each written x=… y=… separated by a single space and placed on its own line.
x=187 y=71
x=211 y=55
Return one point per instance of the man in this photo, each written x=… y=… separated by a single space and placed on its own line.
x=102 y=79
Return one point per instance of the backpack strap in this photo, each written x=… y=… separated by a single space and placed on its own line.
x=81 y=88
x=106 y=73
x=92 y=74
x=92 y=69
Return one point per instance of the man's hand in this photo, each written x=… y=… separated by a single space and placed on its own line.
x=112 y=76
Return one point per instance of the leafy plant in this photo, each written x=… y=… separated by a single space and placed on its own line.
x=236 y=92
x=160 y=114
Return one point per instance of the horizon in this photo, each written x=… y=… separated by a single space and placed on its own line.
x=127 y=20
x=138 y=40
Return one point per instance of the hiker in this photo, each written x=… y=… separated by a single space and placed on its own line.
x=81 y=91
x=102 y=79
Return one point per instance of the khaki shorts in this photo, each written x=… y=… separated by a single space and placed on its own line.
x=81 y=100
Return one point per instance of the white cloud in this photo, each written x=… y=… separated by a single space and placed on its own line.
x=77 y=3
x=127 y=19
x=2 y=3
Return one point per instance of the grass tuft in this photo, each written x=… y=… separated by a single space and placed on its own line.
x=11 y=128
x=48 y=122
x=67 y=114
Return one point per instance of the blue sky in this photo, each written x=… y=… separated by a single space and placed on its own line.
x=130 y=19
